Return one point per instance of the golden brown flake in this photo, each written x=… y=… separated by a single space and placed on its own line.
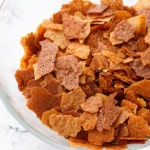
x=41 y=100
x=145 y=114
x=57 y=37
x=79 y=50
x=52 y=26
x=141 y=88
x=66 y=125
x=51 y=84
x=99 y=62
x=114 y=4
x=112 y=56
x=47 y=114
x=99 y=137
x=73 y=99
x=88 y=120
x=138 y=127
x=129 y=106
x=23 y=77
x=92 y=104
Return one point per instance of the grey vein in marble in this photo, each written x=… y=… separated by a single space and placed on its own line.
x=17 y=129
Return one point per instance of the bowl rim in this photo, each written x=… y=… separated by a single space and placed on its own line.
x=2 y=4
x=5 y=100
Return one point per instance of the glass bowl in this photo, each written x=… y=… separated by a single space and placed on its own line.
x=16 y=19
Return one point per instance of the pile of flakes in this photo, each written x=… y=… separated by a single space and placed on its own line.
x=86 y=71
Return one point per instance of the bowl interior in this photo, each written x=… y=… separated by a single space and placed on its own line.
x=16 y=19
